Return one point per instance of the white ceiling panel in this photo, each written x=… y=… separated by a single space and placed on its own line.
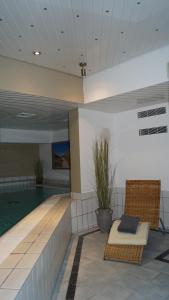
x=106 y=32
x=52 y=114
x=47 y=114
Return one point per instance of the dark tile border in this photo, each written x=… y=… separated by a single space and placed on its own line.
x=75 y=268
x=162 y=256
x=160 y=230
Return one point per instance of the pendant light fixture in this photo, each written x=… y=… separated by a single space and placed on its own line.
x=83 y=68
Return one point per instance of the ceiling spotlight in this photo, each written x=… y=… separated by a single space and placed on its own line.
x=83 y=65
x=32 y=25
x=122 y=32
x=107 y=11
x=77 y=16
x=157 y=29
x=36 y=52
x=45 y=8
x=62 y=32
x=58 y=49
x=138 y=2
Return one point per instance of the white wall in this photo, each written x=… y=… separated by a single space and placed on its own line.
x=134 y=156
x=8 y=135
x=137 y=73
x=141 y=157
x=25 y=136
x=92 y=124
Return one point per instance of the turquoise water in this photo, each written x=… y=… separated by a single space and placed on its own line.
x=16 y=205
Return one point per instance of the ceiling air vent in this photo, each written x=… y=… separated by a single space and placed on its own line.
x=152 y=112
x=153 y=130
x=25 y=115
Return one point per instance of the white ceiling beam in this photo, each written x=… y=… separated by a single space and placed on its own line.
x=143 y=71
x=22 y=77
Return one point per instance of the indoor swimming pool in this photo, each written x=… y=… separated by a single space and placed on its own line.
x=16 y=205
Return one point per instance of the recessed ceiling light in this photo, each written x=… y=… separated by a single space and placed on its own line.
x=122 y=32
x=58 y=49
x=62 y=32
x=32 y=25
x=25 y=115
x=36 y=52
x=138 y=2
x=107 y=11
x=19 y=36
x=157 y=29
x=1 y=19
x=45 y=8
x=77 y=16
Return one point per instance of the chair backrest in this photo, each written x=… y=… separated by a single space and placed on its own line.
x=143 y=200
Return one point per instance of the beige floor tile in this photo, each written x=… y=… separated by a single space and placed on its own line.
x=6 y=294
x=4 y=274
x=27 y=261
x=11 y=261
x=22 y=248
x=16 y=279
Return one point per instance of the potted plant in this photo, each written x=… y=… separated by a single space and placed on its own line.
x=103 y=184
x=38 y=169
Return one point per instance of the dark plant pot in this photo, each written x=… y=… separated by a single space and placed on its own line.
x=104 y=219
x=39 y=180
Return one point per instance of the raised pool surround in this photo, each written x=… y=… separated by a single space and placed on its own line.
x=33 y=250
x=16 y=203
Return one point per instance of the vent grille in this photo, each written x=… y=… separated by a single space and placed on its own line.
x=153 y=130
x=152 y=112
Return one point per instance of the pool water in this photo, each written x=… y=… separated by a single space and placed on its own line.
x=16 y=205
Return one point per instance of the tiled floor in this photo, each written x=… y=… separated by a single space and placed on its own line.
x=104 y=280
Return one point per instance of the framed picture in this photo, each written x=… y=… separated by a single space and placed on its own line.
x=61 y=155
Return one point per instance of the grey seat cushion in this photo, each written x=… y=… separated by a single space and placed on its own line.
x=128 y=224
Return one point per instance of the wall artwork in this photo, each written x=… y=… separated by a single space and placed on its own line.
x=61 y=155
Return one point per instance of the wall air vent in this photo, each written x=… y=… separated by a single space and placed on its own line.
x=153 y=130
x=151 y=112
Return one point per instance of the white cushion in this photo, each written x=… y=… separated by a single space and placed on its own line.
x=121 y=238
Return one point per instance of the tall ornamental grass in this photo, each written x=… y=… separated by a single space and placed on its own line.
x=102 y=171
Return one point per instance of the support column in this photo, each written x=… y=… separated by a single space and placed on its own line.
x=74 y=151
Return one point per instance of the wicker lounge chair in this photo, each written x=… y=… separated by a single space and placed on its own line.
x=142 y=200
